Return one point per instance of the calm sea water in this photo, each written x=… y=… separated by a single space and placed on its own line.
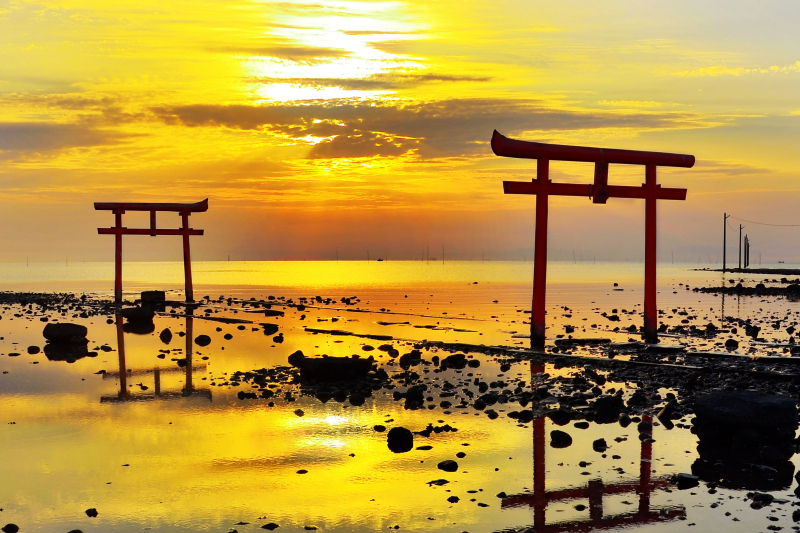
x=150 y=456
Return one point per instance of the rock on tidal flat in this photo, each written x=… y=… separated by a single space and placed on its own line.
x=400 y=440
x=560 y=439
x=10 y=528
x=165 y=336
x=686 y=481
x=270 y=329
x=202 y=340
x=559 y=417
x=448 y=465
x=154 y=296
x=746 y=408
x=91 y=513
x=356 y=398
x=137 y=314
x=65 y=333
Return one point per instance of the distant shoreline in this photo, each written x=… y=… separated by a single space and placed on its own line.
x=781 y=271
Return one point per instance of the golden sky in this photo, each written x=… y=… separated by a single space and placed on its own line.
x=316 y=126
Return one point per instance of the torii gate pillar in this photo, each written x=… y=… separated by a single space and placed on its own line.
x=540 y=255
x=650 y=256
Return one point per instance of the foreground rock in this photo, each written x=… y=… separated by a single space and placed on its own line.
x=746 y=409
x=331 y=368
x=560 y=439
x=448 y=466
x=137 y=314
x=400 y=440
x=65 y=333
x=745 y=438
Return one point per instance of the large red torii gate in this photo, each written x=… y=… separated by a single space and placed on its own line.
x=119 y=208
x=599 y=191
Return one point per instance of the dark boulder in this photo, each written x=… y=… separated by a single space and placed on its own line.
x=137 y=314
x=448 y=465
x=559 y=417
x=607 y=408
x=666 y=412
x=457 y=361
x=10 y=528
x=137 y=327
x=165 y=336
x=560 y=439
x=686 y=481
x=356 y=398
x=331 y=368
x=745 y=437
x=65 y=333
x=270 y=329
x=202 y=340
x=415 y=397
x=400 y=440
x=153 y=297
x=746 y=408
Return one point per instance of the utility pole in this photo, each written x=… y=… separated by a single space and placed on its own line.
x=740 y=246
x=724 y=239
x=746 y=251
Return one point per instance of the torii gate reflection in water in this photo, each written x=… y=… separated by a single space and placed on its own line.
x=594 y=490
x=119 y=208
x=599 y=191
x=124 y=373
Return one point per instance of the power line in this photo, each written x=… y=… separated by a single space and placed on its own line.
x=765 y=224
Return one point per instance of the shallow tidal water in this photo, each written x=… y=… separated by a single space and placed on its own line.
x=166 y=444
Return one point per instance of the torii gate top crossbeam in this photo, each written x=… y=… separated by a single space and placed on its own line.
x=198 y=207
x=503 y=146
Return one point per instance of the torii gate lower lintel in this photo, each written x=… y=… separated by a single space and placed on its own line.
x=599 y=191
x=119 y=208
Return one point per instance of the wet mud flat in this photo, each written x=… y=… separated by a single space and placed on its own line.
x=342 y=414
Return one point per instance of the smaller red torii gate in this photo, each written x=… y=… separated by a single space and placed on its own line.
x=599 y=191
x=119 y=208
